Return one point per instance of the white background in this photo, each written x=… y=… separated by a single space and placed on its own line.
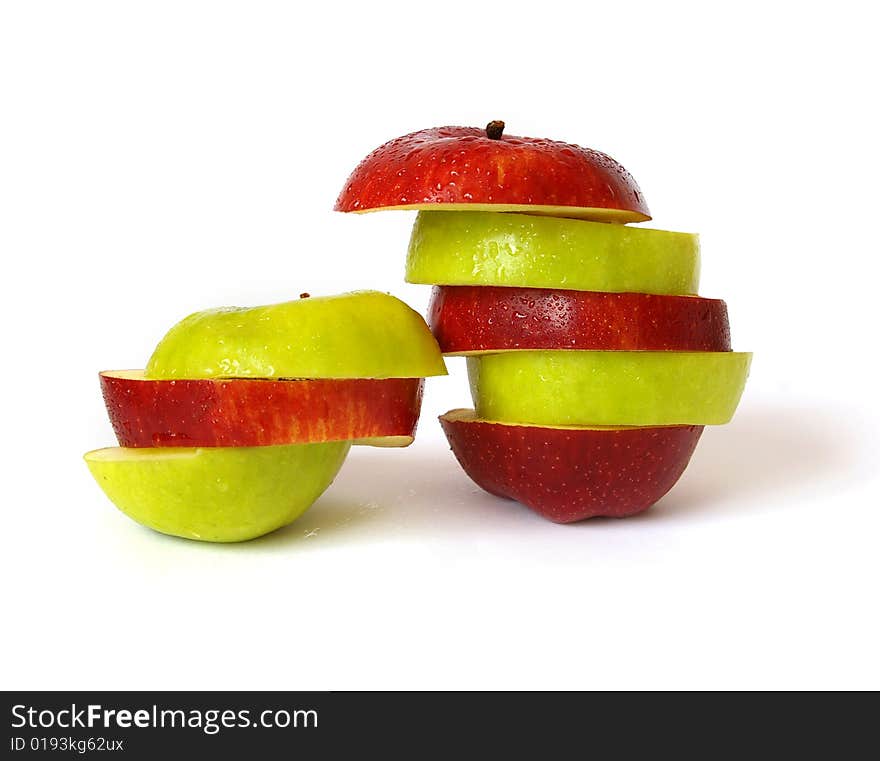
x=161 y=157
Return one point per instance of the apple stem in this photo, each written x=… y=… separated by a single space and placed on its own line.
x=305 y=295
x=495 y=129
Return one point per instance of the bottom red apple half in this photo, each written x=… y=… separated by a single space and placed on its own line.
x=569 y=474
x=249 y=412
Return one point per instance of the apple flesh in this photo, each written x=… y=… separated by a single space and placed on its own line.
x=242 y=412
x=365 y=334
x=634 y=388
x=476 y=319
x=457 y=168
x=569 y=474
x=216 y=495
x=518 y=250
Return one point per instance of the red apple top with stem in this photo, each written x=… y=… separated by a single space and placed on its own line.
x=456 y=168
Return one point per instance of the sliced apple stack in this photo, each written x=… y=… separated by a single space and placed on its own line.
x=243 y=417
x=593 y=364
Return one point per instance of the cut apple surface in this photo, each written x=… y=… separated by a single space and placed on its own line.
x=568 y=474
x=216 y=495
x=479 y=319
x=246 y=412
x=457 y=168
x=365 y=334
x=633 y=388
x=518 y=250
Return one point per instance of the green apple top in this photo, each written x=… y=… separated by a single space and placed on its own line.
x=364 y=334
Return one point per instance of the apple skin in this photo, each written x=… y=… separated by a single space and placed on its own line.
x=644 y=388
x=521 y=250
x=228 y=494
x=570 y=474
x=251 y=412
x=469 y=319
x=463 y=168
x=365 y=334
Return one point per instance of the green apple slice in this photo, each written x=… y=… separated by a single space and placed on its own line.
x=482 y=248
x=365 y=334
x=226 y=494
x=587 y=388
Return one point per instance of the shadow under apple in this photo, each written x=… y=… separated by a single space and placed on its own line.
x=767 y=452
x=379 y=494
x=421 y=491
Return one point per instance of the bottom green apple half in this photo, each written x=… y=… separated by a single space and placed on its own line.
x=641 y=388
x=224 y=494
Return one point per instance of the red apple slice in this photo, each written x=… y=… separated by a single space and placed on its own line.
x=474 y=319
x=569 y=474
x=455 y=168
x=255 y=412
